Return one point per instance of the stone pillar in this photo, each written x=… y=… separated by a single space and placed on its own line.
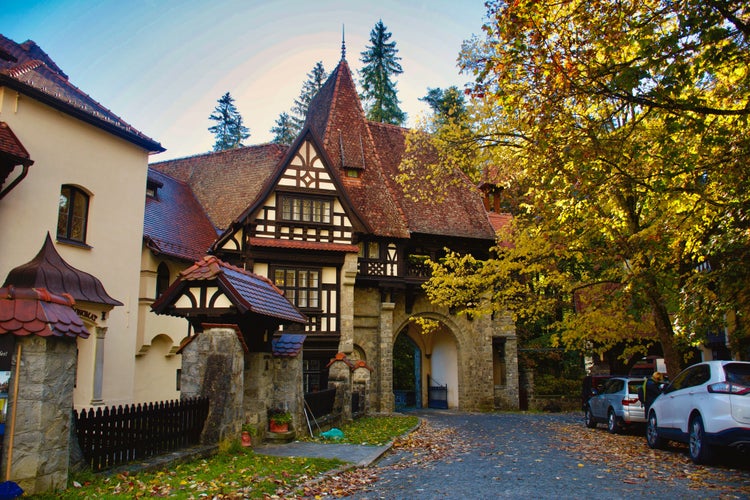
x=346 y=310
x=212 y=366
x=361 y=384
x=387 y=400
x=258 y=389
x=511 y=372
x=287 y=390
x=339 y=377
x=43 y=413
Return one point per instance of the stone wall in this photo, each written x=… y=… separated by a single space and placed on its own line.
x=378 y=322
x=212 y=366
x=43 y=414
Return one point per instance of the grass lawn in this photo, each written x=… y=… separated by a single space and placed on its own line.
x=234 y=472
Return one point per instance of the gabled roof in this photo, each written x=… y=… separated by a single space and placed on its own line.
x=12 y=154
x=27 y=69
x=174 y=222
x=36 y=311
x=247 y=292
x=226 y=182
x=336 y=115
x=48 y=270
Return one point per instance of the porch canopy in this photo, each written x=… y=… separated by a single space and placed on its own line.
x=39 y=297
x=214 y=292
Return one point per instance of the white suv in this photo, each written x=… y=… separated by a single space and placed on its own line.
x=706 y=405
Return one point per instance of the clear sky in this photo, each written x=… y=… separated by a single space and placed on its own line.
x=161 y=65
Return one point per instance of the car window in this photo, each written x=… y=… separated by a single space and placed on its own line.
x=615 y=385
x=738 y=373
x=690 y=377
x=634 y=385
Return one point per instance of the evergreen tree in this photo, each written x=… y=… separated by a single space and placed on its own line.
x=315 y=80
x=229 y=129
x=380 y=64
x=285 y=130
x=289 y=125
x=447 y=105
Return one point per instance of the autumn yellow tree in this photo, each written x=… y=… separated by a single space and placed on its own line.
x=619 y=132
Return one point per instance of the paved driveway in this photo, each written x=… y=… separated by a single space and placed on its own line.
x=514 y=455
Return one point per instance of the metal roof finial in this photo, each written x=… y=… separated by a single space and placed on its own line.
x=343 y=44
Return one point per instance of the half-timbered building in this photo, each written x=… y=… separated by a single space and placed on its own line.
x=327 y=222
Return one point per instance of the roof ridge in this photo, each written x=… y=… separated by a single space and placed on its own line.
x=224 y=152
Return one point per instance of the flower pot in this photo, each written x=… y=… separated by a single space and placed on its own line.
x=246 y=440
x=276 y=427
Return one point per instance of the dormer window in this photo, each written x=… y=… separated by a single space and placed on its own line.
x=305 y=209
x=152 y=188
x=352 y=173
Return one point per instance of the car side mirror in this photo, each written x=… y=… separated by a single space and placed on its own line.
x=594 y=392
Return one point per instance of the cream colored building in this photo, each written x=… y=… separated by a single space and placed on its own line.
x=86 y=189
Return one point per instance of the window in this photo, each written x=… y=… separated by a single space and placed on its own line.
x=369 y=250
x=73 y=214
x=162 y=279
x=300 y=286
x=301 y=209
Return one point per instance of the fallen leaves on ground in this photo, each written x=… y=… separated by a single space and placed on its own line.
x=629 y=453
x=420 y=448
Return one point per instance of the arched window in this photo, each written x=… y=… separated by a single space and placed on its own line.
x=73 y=214
x=162 y=279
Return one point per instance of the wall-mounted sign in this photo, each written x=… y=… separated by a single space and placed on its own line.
x=86 y=314
x=7 y=343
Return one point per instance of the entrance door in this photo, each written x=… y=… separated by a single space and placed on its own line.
x=407 y=368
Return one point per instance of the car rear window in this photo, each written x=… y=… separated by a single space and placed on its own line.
x=634 y=385
x=738 y=373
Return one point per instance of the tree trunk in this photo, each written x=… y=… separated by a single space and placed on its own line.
x=664 y=331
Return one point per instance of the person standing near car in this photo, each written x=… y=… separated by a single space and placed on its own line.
x=651 y=389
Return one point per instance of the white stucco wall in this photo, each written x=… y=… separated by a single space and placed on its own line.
x=68 y=151
x=444 y=365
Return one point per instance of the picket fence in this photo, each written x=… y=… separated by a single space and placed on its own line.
x=116 y=435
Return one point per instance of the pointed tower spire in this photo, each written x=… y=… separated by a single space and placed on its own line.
x=343 y=44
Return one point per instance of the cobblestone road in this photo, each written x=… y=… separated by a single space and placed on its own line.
x=514 y=455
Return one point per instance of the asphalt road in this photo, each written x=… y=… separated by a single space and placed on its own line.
x=522 y=455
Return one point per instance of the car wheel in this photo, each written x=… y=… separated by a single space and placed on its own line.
x=700 y=451
x=613 y=425
x=652 y=435
x=588 y=418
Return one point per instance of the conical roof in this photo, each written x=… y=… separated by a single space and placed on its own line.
x=48 y=270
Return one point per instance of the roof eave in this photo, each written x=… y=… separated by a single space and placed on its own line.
x=149 y=145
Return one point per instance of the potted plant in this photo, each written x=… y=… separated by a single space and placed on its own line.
x=247 y=431
x=279 y=420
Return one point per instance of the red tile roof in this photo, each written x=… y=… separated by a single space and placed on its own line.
x=36 y=311
x=48 y=270
x=12 y=147
x=227 y=182
x=28 y=69
x=174 y=222
x=302 y=245
x=336 y=115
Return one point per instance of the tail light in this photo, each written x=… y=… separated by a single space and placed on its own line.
x=728 y=388
x=630 y=401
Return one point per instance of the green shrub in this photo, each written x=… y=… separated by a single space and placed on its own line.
x=550 y=385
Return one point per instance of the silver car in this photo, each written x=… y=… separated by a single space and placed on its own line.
x=617 y=405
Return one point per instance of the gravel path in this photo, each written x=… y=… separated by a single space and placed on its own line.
x=518 y=455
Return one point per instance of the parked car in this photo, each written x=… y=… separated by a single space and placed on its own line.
x=591 y=386
x=617 y=405
x=707 y=405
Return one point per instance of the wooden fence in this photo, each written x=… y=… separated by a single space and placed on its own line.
x=114 y=436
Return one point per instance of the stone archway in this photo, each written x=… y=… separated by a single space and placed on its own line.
x=407 y=370
x=439 y=351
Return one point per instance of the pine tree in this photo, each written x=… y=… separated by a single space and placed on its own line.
x=380 y=64
x=315 y=80
x=285 y=129
x=229 y=129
